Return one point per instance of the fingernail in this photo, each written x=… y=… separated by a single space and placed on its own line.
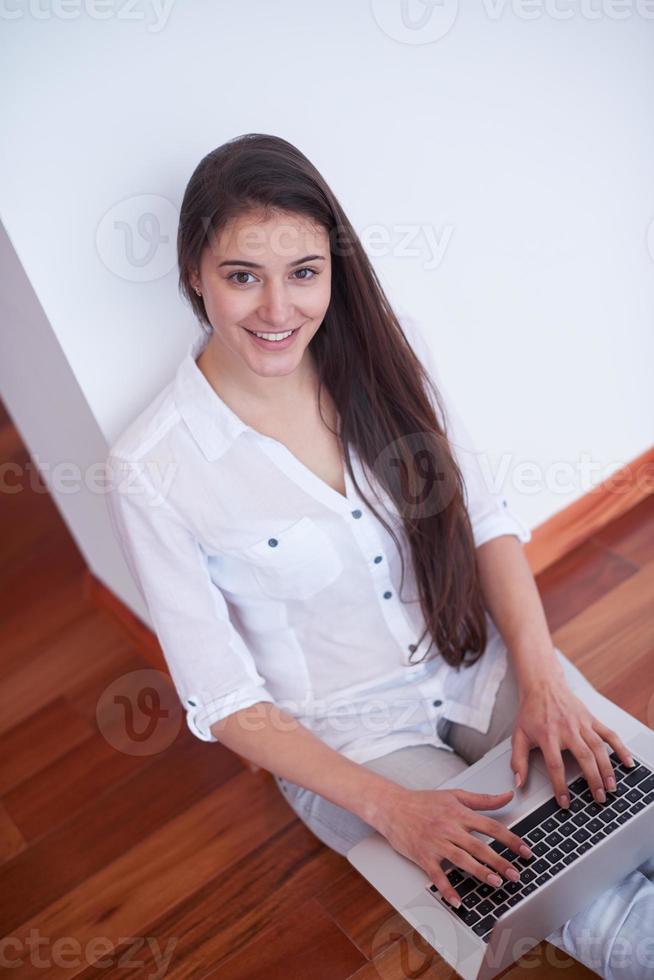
x=630 y=760
x=563 y=800
x=600 y=796
x=494 y=880
x=525 y=851
x=513 y=874
x=611 y=783
x=456 y=902
x=518 y=779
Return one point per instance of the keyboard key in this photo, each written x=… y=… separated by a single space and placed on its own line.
x=568 y=845
x=499 y=896
x=484 y=890
x=607 y=816
x=540 y=849
x=555 y=855
x=536 y=834
x=563 y=815
x=512 y=887
x=540 y=866
x=594 y=808
x=586 y=796
x=553 y=839
x=636 y=776
x=554 y=870
x=647 y=786
x=466 y=886
x=579 y=785
x=471 y=900
x=580 y=819
x=454 y=876
x=637 y=807
x=594 y=825
x=501 y=910
x=549 y=825
x=528 y=890
x=596 y=838
x=515 y=899
x=527 y=876
x=567 y=828
x=569 y=858
x=469 y=916
x=576 y=804
x=484 y=926
x=620 y=805
x=583 y=847
x=623 y=817
x=542 y=879
x=634 y=795
x=581 y=835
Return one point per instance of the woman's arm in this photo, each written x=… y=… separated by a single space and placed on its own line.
x=272 y=738
x=550 y=716
x=424 y=825
x=513 y=601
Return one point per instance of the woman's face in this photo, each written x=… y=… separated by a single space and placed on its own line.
x=269 y=276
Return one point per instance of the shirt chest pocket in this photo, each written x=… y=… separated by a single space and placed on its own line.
x=294 y=562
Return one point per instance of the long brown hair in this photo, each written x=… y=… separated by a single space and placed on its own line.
x=379 y=386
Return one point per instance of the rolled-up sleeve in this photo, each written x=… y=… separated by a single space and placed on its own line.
x=488 y=509
x=209 y=662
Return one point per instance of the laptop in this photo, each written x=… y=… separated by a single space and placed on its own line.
x=577 y=853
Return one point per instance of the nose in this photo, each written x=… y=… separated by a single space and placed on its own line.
x=277 y=310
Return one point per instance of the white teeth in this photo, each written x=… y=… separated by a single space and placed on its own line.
x=273 y=336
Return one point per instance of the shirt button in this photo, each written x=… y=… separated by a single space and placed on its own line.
x=377 y=559
x=273 y=542
x=412 y=647
x=387 y=595
x=356 y=513
x=437 y=702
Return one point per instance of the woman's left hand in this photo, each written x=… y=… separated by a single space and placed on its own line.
x=552 y=718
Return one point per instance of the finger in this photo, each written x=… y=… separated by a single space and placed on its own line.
x=553 y=760
x=520 y=756
x=488 y=856
x=614 y=741
x=606 y=772
x=586 y=759
x=464 y=860
x=482 y=801
x=442 y=882
x=497 y=830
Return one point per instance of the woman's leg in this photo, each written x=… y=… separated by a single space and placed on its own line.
x=416 y=767
x=614 y=934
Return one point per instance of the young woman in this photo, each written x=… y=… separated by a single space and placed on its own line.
x=339 y=596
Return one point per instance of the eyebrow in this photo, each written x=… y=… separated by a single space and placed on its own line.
x=256 y=265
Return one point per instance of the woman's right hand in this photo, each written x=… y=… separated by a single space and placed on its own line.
x=428 y=826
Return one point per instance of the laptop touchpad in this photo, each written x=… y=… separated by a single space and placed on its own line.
x=494 y=775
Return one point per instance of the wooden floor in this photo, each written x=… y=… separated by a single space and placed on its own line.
x=180 y=861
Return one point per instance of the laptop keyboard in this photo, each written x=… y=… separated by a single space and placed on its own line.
x=557 y=837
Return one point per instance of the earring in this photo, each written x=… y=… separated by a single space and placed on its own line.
x=198 y=291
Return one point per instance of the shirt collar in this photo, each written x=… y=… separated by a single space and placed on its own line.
x=212 y=423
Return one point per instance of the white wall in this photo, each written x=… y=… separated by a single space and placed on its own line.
x=523 y=145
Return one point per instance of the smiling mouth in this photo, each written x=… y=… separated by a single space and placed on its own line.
x=274 y=333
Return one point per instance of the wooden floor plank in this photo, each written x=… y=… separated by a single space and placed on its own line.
x=299 y=946
x=580 y=578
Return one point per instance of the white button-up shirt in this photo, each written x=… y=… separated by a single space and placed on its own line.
x=263 y=583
